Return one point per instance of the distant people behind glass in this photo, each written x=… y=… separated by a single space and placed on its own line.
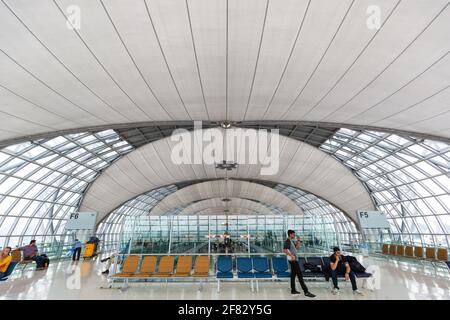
x=5 y=260
x=340 y=266
x=76 y=249
x=228 y=243
x=30 y=252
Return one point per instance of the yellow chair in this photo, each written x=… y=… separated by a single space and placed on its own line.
x=147 y=267
x=430 y=253
x=418 y=252
x=442 y=254
x=165 y=267
x=129 y=267
x=393 y=249
x=400 y=250
x=385 y=248
x=409 y=251
x=16 y=256
x=184 y=266
x=201 y=268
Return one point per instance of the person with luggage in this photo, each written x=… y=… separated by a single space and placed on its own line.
x=291 y=245
x=340 y=266
x=76 y=249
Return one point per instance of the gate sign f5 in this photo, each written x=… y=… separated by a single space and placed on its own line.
x=373 y=219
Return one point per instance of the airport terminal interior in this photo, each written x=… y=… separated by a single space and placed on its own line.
x=162 y=149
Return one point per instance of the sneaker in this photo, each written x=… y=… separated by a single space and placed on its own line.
x=358 y=292
x=309 y=295
x=105 y=272
x=335 y=291
x=294 y=292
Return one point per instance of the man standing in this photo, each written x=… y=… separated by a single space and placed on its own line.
x=340 y=266
x=76 y=250
x=291 y=245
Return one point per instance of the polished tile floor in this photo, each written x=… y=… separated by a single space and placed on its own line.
x=83 y=280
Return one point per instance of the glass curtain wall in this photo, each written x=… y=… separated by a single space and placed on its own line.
x=334 y=218
x=224 y=234
x=43 y=181
x=266 y=232
x=408 y=178
x=109 y=230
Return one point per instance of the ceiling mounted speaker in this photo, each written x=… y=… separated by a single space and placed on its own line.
x=224 y=165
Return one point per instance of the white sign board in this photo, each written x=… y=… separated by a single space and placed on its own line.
x=81 y=221
x=373 y=220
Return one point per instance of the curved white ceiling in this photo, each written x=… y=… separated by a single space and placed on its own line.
x=133 y=61
x=226 y=189
x=235 y=206
x=300 y=165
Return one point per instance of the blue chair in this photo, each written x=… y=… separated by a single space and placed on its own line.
x=301 y=263
x=280 y=267
x=8 y=271
x=317 y=261
x=261 y=267
x=244 y=268
x=224 y=267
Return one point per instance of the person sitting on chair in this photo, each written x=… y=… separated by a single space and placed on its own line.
x=30 y=252
x=340 y=266
x=111 y=259
x=5 y=261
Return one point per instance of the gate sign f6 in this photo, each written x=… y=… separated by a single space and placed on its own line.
x=81 y=221
x=373 y=220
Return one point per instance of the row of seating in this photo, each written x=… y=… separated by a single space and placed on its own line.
x=433 y=254
x=258 y=267
x=250 y=269
x=149 y=268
